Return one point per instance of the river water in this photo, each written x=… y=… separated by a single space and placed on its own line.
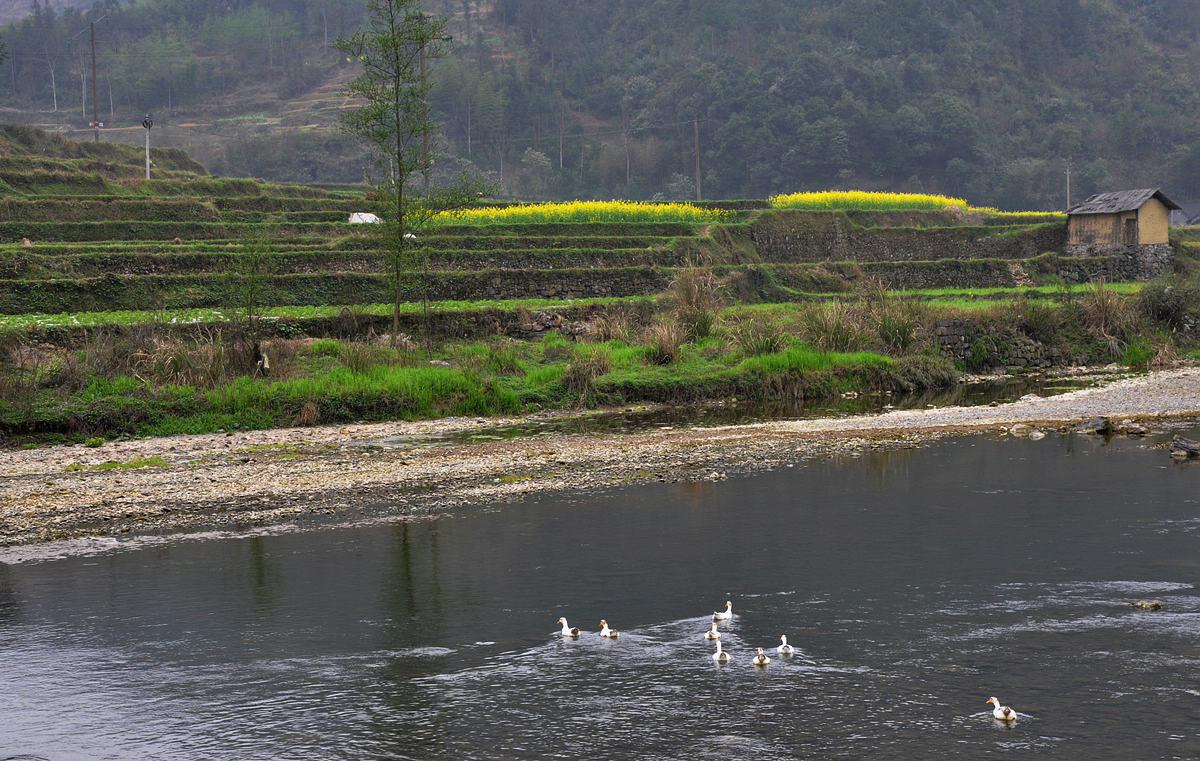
x=915 y=585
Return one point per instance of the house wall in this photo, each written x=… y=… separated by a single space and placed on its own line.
x=1153 y=220
x=1091 y=229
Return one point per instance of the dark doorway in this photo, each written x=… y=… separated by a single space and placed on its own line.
x=1131 y=232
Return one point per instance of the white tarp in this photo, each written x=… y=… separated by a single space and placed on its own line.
x=364 y=217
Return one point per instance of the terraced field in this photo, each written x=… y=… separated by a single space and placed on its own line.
x=81 y=231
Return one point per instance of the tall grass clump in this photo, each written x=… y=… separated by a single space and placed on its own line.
x=696 y=301
x=1108 y=317
x=897 y=322
x=580 y=212
x=754 y=338
x=588 y=362
x=664 y=341
x=832 y=326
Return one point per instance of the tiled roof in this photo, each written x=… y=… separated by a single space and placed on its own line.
x=1121 y=200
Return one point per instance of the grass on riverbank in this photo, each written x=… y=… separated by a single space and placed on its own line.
x=682 y=347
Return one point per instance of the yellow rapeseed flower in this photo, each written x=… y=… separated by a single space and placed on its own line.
x=581 y=212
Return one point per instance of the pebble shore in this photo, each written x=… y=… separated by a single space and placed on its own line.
x=302 y=476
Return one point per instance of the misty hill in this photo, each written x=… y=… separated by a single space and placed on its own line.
x=983 y=99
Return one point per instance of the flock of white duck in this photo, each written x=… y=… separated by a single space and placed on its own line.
x=999 y=712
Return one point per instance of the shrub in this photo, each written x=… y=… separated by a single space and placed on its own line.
x=94 y=441
x=1170 y=301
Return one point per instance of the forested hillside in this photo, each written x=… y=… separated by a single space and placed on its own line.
x=990 y=100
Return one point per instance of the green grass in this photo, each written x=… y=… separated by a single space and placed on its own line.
x=136 y=462
x=18 y=322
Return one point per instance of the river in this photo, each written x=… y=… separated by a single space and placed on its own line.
x=915 y=585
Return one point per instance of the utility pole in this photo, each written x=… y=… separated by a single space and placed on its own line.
x=1068 y=183
x=95 y=114
x=147 y=123
x=696 y=134
x=425 y=118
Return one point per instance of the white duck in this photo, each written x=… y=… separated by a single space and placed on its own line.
x=1002 y=713
x=761 y=659
x=785 y=648
x=568 y=631
x=724 y=615
x=721 y=656
x=606 y=632
x=712 y=633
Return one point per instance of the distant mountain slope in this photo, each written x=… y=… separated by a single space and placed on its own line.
x=992 y=100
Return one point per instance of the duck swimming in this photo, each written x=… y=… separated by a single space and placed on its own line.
x=721 y=656
x=761 y=659
x=724 y=615
x=712 y=633
x=785 y=648
x=1002 y=713
x=568 y=631
x=606 y=632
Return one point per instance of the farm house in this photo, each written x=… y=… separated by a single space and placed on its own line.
x=1119 y=219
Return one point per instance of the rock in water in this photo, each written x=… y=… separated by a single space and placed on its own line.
x=1100 y=425
x=1182 y=448
x=1148 y=604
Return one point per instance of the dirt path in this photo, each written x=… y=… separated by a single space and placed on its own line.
x=307 y=474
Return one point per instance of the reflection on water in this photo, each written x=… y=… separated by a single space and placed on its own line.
x=914 y=584
x=1000 y=389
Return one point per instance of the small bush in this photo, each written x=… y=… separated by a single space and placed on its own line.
x=1170 y=301
x=94 y=441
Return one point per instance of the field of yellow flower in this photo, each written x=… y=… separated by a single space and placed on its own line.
x=581 y=211
x=861 y=199
x=871 y=201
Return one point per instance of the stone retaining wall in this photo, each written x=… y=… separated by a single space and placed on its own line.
x=966 y=340
x=831 y=236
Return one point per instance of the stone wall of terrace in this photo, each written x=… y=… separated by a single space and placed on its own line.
x=805 y=236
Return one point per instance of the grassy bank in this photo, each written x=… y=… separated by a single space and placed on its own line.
x=694 y=343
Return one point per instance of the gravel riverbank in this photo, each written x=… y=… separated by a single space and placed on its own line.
x=302 y=475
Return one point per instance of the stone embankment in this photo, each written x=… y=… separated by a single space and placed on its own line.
x=305 y=475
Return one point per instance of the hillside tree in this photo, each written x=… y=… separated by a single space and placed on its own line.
x=392 y=47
